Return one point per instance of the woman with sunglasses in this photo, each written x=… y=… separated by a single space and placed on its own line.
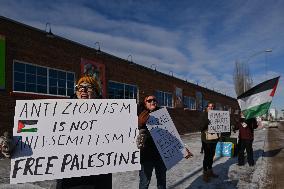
x=149 y=155
x=87 y=88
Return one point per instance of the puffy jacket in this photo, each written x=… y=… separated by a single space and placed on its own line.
x=248 y=131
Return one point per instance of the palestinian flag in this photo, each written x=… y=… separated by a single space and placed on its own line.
x=256 y=101
x=27 y=126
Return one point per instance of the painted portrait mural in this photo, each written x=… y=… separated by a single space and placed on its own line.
x=97 y=70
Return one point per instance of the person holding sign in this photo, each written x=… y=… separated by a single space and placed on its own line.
x=150 y=157
x=209 y=142
x=87 y=88
x=246 y=135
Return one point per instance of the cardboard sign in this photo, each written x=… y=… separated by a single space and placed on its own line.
x=219 y=121
x=63 y=138
x=166 y=137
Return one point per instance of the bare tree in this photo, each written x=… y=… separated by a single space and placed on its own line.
x=242 y=78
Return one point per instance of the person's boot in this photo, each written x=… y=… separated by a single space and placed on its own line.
x=212 y=174
x=206 y=176
x=241 y=162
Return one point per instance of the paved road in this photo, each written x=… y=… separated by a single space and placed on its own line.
x=274 y=152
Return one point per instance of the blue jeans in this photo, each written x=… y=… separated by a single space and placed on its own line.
x=145 y=174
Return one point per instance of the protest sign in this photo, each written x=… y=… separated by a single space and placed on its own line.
x=166 y=137
x=63 y=138
x=219 y=121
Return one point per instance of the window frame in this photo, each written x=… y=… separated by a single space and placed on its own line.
x=124 y=84
x=204 y=103
x=190 y=99
x=165 y=101
x=218 y=106
x=199 y=96
x=47 y=78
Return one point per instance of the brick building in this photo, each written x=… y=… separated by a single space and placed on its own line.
x=37 y=64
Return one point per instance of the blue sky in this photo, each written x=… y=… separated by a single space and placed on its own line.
x=196 y=40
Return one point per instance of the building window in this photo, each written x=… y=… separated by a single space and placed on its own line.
x=118 y=90
x=164 y=98
x=219 y=106
x=199 y=98
x=227 y=108
x=61 y=82
x=189 y=102
x=205 y=103
x=43 y=80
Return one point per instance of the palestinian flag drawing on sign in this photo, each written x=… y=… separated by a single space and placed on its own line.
x=256 y=101
x=27 y=126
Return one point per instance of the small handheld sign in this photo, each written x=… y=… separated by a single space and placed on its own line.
x=219 y=121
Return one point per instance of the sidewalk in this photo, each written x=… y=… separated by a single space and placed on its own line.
x=188 y=173
x=185 y=175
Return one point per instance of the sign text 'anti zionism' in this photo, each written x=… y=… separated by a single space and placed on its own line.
x=71 y=138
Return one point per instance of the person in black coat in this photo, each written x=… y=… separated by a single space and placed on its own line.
x=246 y=135
x=208 y=144
x=86 y=88
x=149 y=155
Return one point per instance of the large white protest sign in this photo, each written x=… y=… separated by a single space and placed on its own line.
x=219 y=121
x=62 y=138
x=166 y=137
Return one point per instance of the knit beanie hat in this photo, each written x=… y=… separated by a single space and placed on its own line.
x=91 y=80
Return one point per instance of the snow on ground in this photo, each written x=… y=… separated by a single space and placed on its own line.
x=187 y=174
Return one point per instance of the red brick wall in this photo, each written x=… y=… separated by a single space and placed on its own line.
x=33 y=46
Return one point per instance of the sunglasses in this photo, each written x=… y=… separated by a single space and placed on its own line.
x=82 y=88
x=151 y=100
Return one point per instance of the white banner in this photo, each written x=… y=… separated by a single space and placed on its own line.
x=219 y=121
x=166 y=137
x=63 y=138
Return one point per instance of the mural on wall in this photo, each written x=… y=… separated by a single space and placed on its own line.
x=96 y=70
x=178 y=97
x=2 y=61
